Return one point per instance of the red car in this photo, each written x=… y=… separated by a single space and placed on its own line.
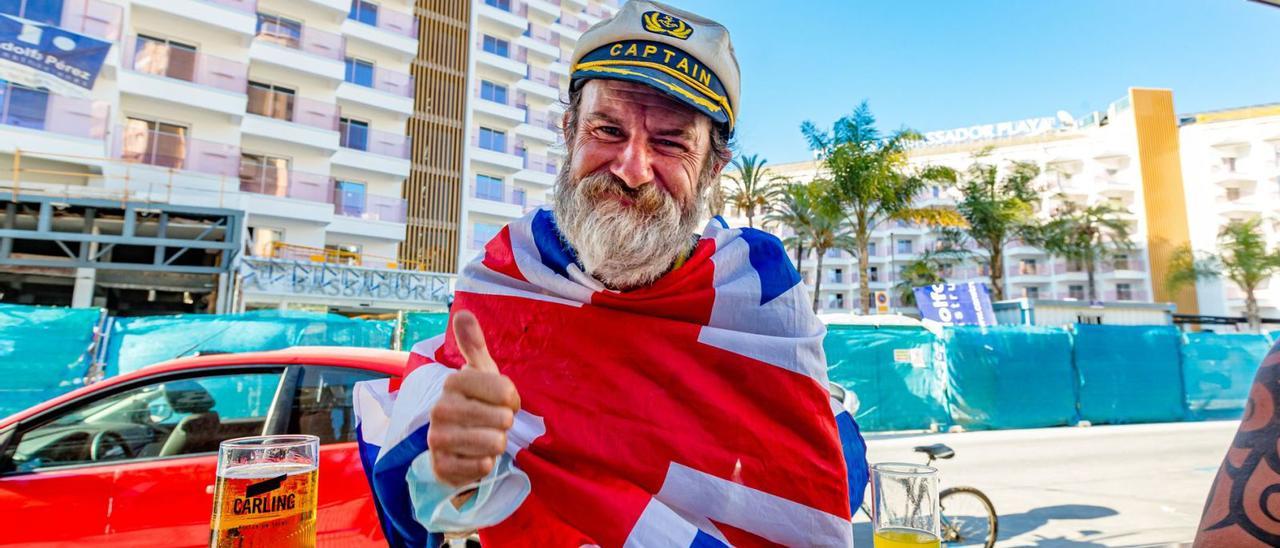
x=130 y=461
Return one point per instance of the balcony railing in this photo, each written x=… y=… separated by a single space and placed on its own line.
x=91 y=17
x=368 y=206
x=152 y=57
x=40 y=110
x=385 y=143
x=137 y=144
x=390 y=81
x=306 y=39
x=509 y=147
x=543 y=35
x=541 y=164
x=290 y=107
x=389 y=20
x=544 y=77
x=505 y=194
x=286 y=183
x=542 y=120
x=574 y=22
x=247 y=6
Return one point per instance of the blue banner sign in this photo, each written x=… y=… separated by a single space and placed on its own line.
x=46 y=56
x=956 y=304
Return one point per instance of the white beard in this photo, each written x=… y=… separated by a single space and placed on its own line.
x=625 y=247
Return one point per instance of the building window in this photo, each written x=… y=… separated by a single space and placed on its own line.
x=1233 y=193
x=22 y=106
x=492 y=139
x=984 y=269
x=835 y=275
x=364 y=11
x=1075 y=292
x=873 y=274
x=1075 y=265
x=279 y=30
x=270 y=100
x=43 y=11
x=1124 y=292
x=349 y=198
x=504 y=5
x=490 y=91
x=481 y=233
x=263 y=241
x=947 y=271
x=518 y=197
x=496 y=46
x=1027 y=267
x=937 y=191
x=348 y=254
x=904 y=246
x=835 y=301
x=359 y=72
x=871 y=249
x=1229 y=163
x=1120 y=262
x=164 y=57
x=833 y=254
x=1031 y=292
x=488 y=187
x=353 y=134
x=264 y=174
x=155 y=143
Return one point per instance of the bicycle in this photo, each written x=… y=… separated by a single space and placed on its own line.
x=967 y=515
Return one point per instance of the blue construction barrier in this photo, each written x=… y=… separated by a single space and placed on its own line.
x=1129 y=374
x=142 y=341
x=420 y=326
x=1218 y=370
x=1010 y=377
x=44 y=352
x=893 y=372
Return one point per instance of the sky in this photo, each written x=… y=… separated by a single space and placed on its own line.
x=942 y=64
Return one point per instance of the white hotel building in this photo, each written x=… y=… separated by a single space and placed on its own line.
x=290 y=112
x=1181 y=178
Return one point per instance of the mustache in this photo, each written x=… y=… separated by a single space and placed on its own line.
x=647 y=199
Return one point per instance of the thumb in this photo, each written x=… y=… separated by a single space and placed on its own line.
x=470 y=340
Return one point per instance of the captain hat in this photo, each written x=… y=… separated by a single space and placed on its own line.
x=684 y=55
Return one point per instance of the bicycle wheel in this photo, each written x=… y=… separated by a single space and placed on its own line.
x=968 y=517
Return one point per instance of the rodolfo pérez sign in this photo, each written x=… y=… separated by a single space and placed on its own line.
x=45 y=56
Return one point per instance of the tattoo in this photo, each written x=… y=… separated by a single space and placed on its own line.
x=1249 y=479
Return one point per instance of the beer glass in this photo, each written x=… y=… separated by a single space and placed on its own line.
x=266 y=492
x=904 y=505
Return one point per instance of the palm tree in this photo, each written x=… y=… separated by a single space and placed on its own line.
x=872 y=180
x=1242 y=258
x=754 y=186
x=1087 y=234
x=929 y=269
x=828 y=229
x=999 y=209
x=794 y=209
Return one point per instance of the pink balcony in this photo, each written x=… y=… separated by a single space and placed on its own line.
x=508 y=147
x=247 y=6
x=542 y=120
x=401 y=23
x=540 y=164
x=505 y=194
x=136 y=143
x=290 y=107
x=543 y=34
x=92 y=17
x=368 y=206
x=574 y=23
x=152 y=57
x=44 y=111
x=360 y=137
x=300 y=37
x=285 y=183
x=390 y=81
x=544 y=77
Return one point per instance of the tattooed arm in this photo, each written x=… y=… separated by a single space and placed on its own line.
x=1244 y=503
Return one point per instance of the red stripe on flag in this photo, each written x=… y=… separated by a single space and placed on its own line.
x=499 y=257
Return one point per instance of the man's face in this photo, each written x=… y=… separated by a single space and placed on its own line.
x=632 y=191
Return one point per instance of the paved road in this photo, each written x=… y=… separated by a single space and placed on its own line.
x=1133 y=485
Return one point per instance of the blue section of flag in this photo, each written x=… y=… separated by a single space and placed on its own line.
x=956 y=304
x=855 y=458
x=770 y=261
x=391 y=492
x=703 y=540
x=555 y=254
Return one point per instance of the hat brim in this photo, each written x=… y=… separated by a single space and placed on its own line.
x=660 y=81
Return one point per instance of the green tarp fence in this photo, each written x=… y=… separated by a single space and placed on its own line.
x=893 y=372
x=1010 y=377
x=44 y=352
x=1218 y=371
x=420 y=326
x=142 y=341
x=1129 y=374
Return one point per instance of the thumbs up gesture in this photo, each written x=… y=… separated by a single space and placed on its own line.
x=470 y=421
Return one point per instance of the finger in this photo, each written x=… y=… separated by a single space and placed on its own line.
x=467 y=442
x=470 y=340
x=456 y=409
x=490 y=388
x=456 y=471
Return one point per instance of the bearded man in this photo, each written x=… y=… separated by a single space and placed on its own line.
x=610 y=377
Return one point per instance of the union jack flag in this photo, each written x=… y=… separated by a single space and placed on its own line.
x=694 y=412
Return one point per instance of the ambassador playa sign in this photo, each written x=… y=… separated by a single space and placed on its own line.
x=984 y=132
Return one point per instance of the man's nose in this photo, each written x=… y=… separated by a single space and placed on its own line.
x=632 y=165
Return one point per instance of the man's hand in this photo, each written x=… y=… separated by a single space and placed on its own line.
x=469 y=424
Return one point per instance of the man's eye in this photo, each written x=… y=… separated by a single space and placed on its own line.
x=669 y=143
x=610 y=131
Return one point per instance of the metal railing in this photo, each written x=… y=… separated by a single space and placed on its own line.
x=290 y=107
x=305 y=38
x=43 y=111
x=385 y=143
x=404 y=24
x=153 y=57
x=293 y=252
x=390 y=81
